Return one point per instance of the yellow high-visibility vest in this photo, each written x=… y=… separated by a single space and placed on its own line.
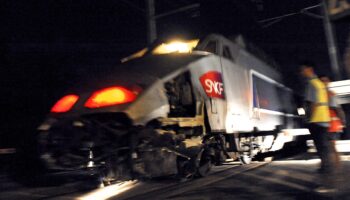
x=321 y=111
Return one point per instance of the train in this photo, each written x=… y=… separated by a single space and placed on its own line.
x=175 y=108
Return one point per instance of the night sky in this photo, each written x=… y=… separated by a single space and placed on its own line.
x=46 y=45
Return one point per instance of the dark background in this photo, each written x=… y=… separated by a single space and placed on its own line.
x=46 y=45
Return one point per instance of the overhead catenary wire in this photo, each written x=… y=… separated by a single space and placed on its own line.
x=279 y=17
x=273 y=20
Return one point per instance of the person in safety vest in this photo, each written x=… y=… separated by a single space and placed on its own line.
x=336 y=113
x=317 y=111
x=336 y=124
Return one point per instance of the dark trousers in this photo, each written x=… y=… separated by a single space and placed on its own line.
x=324 y=148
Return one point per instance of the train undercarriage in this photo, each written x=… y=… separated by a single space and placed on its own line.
x=109 y=147
x=115 y=150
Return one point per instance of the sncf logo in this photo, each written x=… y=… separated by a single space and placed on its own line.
x=212 y=84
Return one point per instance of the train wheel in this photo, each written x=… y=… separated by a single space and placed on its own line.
x=245 y=159
x=204 y=168
x=204 y=164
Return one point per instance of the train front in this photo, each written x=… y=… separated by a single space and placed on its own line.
x=108 y=126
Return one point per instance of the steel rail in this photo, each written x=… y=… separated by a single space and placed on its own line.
x=178 y=188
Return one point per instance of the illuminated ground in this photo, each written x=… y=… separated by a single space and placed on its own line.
x=288 y=178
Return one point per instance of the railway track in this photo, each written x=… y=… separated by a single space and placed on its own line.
x=164 y=188
x=130 y=190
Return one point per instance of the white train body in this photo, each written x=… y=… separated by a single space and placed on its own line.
x=190 y=108
x=232 y=88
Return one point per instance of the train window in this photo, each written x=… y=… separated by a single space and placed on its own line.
x=211 y=47
x=287 y=97
x=256 y=98
x=266 y=95
x=227 y=53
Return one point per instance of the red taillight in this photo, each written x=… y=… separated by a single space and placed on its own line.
x=65 y=103
x=110 y=96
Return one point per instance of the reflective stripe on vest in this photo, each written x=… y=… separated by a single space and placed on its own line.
x=321 y=110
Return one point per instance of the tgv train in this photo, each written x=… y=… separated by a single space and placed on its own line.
x=175 y=108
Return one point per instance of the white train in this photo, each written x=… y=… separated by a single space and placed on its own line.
x=171 y=109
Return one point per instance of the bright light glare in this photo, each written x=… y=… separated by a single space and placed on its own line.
x=301 y=111
x=65 y=103
x=138 y=54
x=287 y=135
x=279 y=142
x=298 y=162
x=342 y=146
x=307 y=162
x=176 y=47
x=109 y=191
x=340 y=87
x=110 y=96
x=296 y=131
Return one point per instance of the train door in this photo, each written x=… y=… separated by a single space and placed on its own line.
x=250 y=95
x=235 y=87
x=211 y=79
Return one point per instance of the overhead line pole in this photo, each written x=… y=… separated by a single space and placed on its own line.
x=332 y=48
x=329 y=32
x=151 y=21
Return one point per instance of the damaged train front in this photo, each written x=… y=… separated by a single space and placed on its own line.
x=119 y=129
